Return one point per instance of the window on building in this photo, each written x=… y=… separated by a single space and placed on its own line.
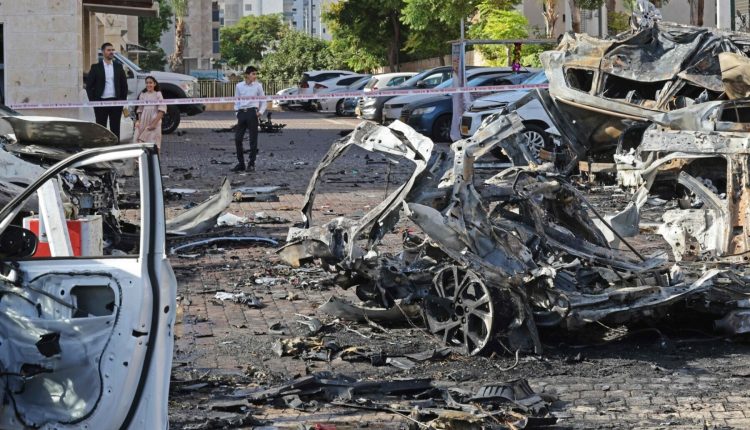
x=215 y=12
x=215 y=40
x=248 y=8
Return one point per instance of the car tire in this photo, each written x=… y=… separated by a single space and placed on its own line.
x=340 y=108
x=540 y=139
x=441 y=129
x=171 y=119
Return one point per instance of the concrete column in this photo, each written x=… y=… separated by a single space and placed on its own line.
x=724 y=14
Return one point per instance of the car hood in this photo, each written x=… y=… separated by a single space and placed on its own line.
x=169 y=76
x=431 y=101
x=57 y=132
x=405 y=100
x=498 y=98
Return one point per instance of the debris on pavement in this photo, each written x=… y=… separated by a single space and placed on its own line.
x=507 y=405
x=230 y=219
x=223 y=239
x=255 y=194
x=241 y=298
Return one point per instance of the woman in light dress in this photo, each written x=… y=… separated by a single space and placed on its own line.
x=148 y=124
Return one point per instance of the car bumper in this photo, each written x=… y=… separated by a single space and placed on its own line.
x=421 y=124
x=193 y=109
x=391 y=114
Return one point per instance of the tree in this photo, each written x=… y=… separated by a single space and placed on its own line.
x=179 y=7
x=295 y=53
x=498 y=24
x=246 y=41
x=575 y=11
x=432 y=41
x=696 y=12
x=419 y=14
x=372 y=27
x=150 y=30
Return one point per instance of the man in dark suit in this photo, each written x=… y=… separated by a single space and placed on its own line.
x=107 y=81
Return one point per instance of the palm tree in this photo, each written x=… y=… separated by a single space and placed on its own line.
x=180 y=10
x=550 y=17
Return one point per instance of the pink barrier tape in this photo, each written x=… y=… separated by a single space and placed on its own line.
x=268 y=98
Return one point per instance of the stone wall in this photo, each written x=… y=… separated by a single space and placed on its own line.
x=43 y=52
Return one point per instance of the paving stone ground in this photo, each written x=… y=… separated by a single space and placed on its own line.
x=691 y=382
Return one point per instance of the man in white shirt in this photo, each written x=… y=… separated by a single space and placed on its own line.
x=107 y=81
x=248 y=113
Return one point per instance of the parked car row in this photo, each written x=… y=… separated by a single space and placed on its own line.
x=429 y=114
x=333 y=81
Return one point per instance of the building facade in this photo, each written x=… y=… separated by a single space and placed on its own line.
x=47 y=46
x=302 y=15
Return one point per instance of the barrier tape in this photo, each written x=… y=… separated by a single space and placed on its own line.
x=269 y=98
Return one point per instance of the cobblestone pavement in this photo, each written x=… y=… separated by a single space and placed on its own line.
x=671 y=377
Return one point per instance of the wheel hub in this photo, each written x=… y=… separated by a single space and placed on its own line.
x=460 y=310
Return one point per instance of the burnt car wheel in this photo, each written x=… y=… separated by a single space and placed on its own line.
x=171 y=120
x=460 y=310
x=536 y=139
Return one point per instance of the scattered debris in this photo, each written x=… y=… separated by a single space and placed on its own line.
x=255 y=194
x=230 y=219
x=513 y=404
x=217 y=240
x=241 y=298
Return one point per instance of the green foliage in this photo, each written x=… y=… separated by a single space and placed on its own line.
x=499 y=24
x=369 y=28
x=246 y=41
x=346 y=56
x=150 y=30
x=617 y=22
x=421 y=14
x=431 y=41
x=295 y=53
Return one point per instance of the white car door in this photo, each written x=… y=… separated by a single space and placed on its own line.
x=86 y=331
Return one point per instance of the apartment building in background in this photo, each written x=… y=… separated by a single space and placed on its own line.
x=302 y=15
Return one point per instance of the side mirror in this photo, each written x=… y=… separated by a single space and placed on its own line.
x=421 y=84
x=17 y=242
x=129 y=73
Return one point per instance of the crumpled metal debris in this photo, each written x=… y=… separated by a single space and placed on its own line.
x=199 y=219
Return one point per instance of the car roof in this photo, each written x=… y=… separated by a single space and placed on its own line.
x=318 y=72
x=353 y=75
x=394 y=74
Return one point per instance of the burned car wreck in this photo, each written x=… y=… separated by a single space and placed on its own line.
x=499 y=260
x=608 y=90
